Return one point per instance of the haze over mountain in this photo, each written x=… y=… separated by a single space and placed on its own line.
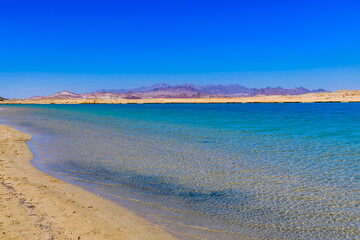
x=163 y=90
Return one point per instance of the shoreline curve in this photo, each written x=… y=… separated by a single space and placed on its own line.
x=35 y=205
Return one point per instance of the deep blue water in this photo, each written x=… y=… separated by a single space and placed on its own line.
x=231 y=171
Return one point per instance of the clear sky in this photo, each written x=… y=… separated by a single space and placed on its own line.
x=82 y=46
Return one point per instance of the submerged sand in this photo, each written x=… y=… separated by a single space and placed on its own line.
x=34 y=205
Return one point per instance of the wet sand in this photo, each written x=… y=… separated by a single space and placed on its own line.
x=34 y=205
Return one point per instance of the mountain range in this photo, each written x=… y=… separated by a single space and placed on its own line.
x=163 y=90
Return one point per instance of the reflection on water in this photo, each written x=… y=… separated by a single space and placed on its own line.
x=233 y=171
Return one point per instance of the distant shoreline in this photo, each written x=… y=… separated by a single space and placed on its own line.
x=321 y=97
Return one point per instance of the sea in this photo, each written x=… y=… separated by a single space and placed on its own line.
x=209 y=171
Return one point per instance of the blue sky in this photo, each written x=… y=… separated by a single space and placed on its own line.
x=82 y=46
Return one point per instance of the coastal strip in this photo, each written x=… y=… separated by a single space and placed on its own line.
x=34 y=205
x=321 y=97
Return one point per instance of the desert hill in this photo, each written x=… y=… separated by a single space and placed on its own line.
x=163 y=90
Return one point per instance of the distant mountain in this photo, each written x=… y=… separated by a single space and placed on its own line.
x=61 y=95
x=139 y=89
x=230 y=90
x=2 y=99
x=163 y=90
x=281 y=91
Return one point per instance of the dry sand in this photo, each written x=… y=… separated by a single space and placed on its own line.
x=34 y=205
x=337 y=96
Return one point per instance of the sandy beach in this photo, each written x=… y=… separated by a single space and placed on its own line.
x=336 y=96
x=35 y=205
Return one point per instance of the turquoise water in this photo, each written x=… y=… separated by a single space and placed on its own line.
x=218 y=171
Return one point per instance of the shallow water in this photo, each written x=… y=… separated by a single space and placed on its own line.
x=231 y=171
